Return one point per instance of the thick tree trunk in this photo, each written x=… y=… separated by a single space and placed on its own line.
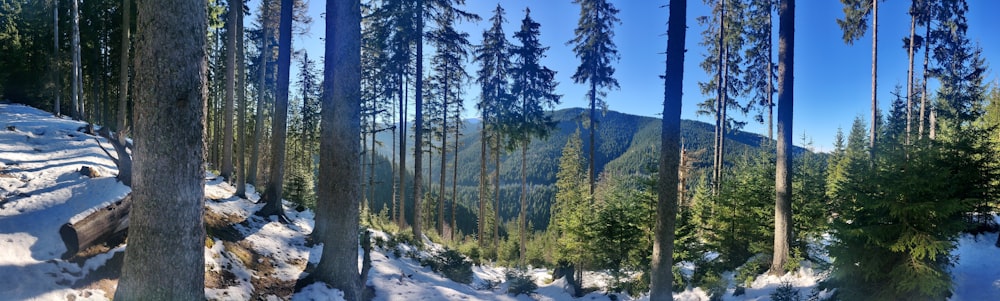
x=783 y=172
x=273 y=193
x=418 y=136
x=165 y=255
x=661 y=277
x=227 y=118
x=337 y=225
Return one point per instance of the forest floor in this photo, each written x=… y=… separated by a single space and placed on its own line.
x=253 y=258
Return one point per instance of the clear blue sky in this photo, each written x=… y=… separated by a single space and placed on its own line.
x=832 y=79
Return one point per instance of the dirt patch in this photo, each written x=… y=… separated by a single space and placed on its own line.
x=105 y=277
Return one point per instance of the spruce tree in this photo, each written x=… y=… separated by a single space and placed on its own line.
x=570 y=211
x=533 y=92
x=593 y=44
x=494 y=99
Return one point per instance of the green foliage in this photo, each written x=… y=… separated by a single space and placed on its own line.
x=451 y=264
x=786 y=292
x=520 y=282
x=570 y=212
x=621 y=226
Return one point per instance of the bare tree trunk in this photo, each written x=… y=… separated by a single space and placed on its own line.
x=227 y=119
x=783 y=172
x=770 y=76
x=165 y=255
x=55 y=50
x=402 y=154
x=482 y=182
x=258 y=131
x=593 y=129
x=76 y=61
x=496 y=192
x=241 y=107
x=454 y=181
x=444 y=152
x=395 y=182
x=661 y=277
x=874 y=128
x=337 y=226
x=719 y=103
x=123 y=84
x=418 y=127
x=273 y=193
x=909 y=72
x=923 y=90
x=522 y=220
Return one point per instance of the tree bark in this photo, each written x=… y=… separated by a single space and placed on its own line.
x=76 y=61
x=783 y=171
x=402 y=153
x=593 y=129
x=444 y=151
x=55 y=50
x=874 y=128
x=418 y=136
x=165 y=255
x=482 y=181
x=123 y=84
x=273 y=193
x=337 y=223
x=454 y=181
x=909 y=72
x=923 y=90
x=522 y=220
x=241 y=108
x=661 y=278
x=226 y=171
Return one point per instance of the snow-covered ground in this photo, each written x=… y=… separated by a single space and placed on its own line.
x=41 y=189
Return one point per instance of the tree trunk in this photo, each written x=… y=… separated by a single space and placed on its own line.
x=496 y=192
x=272 y=195
x=258 y=131
x=76 y=60
x=923 y=90
x=337 y=223
x=165 y=255
x=227 y=119
x=770 y=76
x=123 y=84
x=454 y=181
x=719 y=102
x=482 y=182
x=55 y=50
x=874 y=128
x=783 y=172
x=522 y=220
x=418 y=136
x=444 y=161
x=108 y=222
x=241 y=108
x=402 y=154
x=909 y=73
x=661 y=278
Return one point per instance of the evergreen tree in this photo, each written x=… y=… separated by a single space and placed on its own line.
x=494 y=99
x=593 y=44
x=570 y=211
x=783 y=175
x=533 y=92
x=759 y=73
x=272 y=194
x=854 y=25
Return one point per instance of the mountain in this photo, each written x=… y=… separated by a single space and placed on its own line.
x=626 y=144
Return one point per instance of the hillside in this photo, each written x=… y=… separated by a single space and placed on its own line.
x=626 y=144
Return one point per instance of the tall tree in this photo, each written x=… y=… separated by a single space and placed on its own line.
x=418 y=125
x=910 y=45
x=241 y=107
x=783 y=172
x=662 y=277
x=492 y=76
x=165 y=255
x=55 y=54
x=593 y=44
x=77 y=76
x=124 y=158
x=265 y=52
x=533 y=92
x=759 y=73
x=854 y=25
x=339 y=148
x=272 y=194
x=227 y=129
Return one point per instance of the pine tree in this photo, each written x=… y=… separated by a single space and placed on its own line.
x=570 y=211
x=165 y=255
x=593 y=44
x=272 y=194
x=533 y=91
x=227 y=141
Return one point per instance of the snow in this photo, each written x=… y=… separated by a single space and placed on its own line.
x=41 y=189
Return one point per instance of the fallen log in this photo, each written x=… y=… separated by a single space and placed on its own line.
x=88 y=229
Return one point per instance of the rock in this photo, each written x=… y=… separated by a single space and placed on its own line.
x=90 y=172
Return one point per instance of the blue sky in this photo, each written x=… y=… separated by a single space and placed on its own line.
x=832 y=79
